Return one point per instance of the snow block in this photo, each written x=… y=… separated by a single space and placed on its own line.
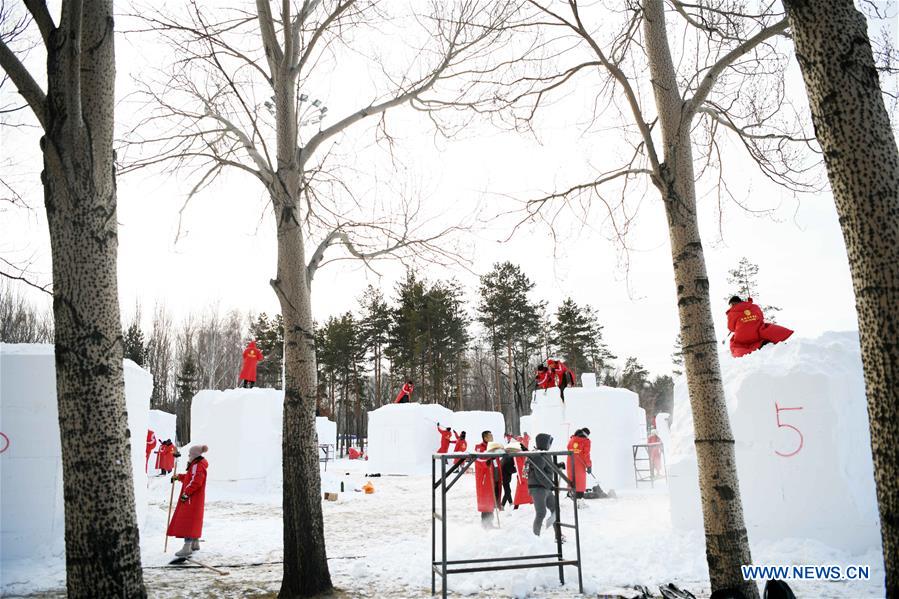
x=32 y=518
x=475 y=422
x=326 y=431
x=526 y=425
x=616 y=423
x=242 y=428
x=402 y=437
x=163 y=424
x=800 y=423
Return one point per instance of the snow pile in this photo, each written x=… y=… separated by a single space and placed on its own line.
x=402 y=437
x=32 y=520
x=526 y=424
x=163 y=424
x=475 y=422
x=242 y=428
x=616 y=423
x=799 y=419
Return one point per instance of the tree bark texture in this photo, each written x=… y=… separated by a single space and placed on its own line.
x=853 y=128
x=727 y=543
x=101 y=535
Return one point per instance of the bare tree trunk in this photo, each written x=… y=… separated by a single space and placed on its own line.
x=101 y=535
x=305 y=561
x=727 y=543
x=853 y=128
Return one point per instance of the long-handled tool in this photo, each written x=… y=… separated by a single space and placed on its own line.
x=171 y=498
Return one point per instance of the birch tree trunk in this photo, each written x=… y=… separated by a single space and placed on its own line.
x=101 y=535
x=853 y=128
x=727 y=544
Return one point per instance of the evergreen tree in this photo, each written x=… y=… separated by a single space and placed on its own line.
x=405 y=347
x=677 y=357
x=374 y=324
x=135 y=348
x=634 y=376
x=269 y=336
x=744 y=279
x=577 y=337
x=186 y=388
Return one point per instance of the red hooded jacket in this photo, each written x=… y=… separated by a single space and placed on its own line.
x=545 y=379
x=407 y=389
x=445 y=435
x=251 y=356
x=579 y=463
x=486 y=482
x=747 y=323
x=187 y=523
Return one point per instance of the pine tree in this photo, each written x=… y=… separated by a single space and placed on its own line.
x=577 y=337
x=186 y=388
x=269 y=336
x=135 y=348
x=375 y=327
x=677 y=357
x=634 y=376
x=744 y=279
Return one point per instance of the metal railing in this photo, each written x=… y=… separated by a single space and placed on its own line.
x=448 y=476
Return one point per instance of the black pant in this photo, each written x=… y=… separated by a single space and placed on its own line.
x=562 y=385
x=248 y=384
x=507 y=491
x=404 y=399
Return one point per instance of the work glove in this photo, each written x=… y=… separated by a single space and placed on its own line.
x=589 y=469
x=174 y=478
x=184 y=497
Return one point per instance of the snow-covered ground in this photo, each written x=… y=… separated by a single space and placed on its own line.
x=379 y=545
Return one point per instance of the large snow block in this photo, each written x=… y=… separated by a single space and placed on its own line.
x=476 y=422
x=402 y=437
x=32 y=518
x=242 y=428
x=799 y=418
x=615 y=420
x=326 y=431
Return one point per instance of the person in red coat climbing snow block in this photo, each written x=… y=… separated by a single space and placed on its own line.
x=750 y=331
x=543 y=378
x=488 y=483
x=405 y=394
x=445 y=437
x=251 y=357
x=187 y=523
x=564 y=376
x=580 y=463
x=151 y=445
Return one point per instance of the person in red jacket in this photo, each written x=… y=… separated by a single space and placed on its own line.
x=165 y=457
x=564 y=376
x=461 y=445
x=543 y=378
x=488 y=483
x=750 y=331
x=405 y=394
x=580 y=463
x=445 y=438
x=151 y=445
x=522 y=496
x=187 y=523
x=251 y=357
x=655 y=453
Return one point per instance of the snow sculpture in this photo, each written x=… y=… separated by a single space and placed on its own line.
x=475 y=422
x=402 y=437
x=615 y=420
x=32 y=520
x=326 y=431
x=800 y=423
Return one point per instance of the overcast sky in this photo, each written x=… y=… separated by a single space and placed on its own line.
x=227 y=254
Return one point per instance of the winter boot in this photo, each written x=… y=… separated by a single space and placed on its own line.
x=195 y=545
x=186 y=550
x=581 y=504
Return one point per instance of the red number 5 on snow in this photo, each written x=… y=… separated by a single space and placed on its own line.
x=780 y=424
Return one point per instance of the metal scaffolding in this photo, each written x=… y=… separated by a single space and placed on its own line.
x=444 y=481
x=643 y=470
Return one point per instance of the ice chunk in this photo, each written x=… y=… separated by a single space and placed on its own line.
x=402 y=437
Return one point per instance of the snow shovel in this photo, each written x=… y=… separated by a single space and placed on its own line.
x=171 y=498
